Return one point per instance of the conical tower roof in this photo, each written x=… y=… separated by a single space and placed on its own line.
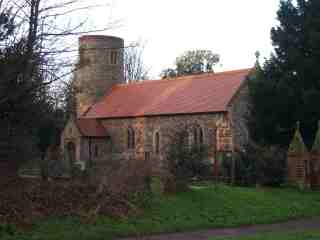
x=297 y=145
x=316 y=144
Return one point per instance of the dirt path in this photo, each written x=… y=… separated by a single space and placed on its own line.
x=295 y=225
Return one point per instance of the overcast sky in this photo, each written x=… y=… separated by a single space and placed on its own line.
x=232 y=28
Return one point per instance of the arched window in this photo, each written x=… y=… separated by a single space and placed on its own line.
x=96 y=151
x=201 y=136
x=198 y=136
x=157 y=143
x=131 y=138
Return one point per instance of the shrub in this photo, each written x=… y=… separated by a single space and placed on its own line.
x=265 y=165
x=185 y=162
x=122 y=190
x=6 y=229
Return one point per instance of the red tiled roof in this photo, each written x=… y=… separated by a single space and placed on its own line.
x=91 y=128
x=208 y=92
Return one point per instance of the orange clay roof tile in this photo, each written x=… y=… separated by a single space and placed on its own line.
x=203 y=93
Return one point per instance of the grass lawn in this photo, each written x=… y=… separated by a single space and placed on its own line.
x=308 y=235
x=200 y=208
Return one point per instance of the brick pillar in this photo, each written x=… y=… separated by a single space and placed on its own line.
x=315 y=161
x=298 y=161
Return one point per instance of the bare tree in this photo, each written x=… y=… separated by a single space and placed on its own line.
x=37 y=49
x=48 y=29
x=135 y=68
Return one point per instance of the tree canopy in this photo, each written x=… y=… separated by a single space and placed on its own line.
x=286 y=89
x=192 y=62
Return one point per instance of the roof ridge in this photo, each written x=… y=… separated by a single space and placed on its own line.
x=180 y=78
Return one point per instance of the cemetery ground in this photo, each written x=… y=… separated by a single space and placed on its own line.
x=57 y=211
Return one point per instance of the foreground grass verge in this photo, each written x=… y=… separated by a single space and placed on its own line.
x=307 y=235
x=199 y=208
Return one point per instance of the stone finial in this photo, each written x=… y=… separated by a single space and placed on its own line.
x=297 y=145
x=316 y=144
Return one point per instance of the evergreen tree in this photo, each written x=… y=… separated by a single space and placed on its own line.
x=287 y=88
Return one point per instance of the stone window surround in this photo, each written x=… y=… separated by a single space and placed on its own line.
x=196 y=132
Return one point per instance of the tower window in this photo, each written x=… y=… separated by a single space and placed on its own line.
x=114 y=57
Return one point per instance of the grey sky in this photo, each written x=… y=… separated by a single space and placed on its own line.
x=234 y=29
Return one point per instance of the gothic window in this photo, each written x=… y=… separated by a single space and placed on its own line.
x=131 y=138
x=157 y=143
x=114 y=57
x=96 y=151
x=198 y=136
x=201 y=136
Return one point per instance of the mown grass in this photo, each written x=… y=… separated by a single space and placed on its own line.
x=306 y=235
x=200 y=208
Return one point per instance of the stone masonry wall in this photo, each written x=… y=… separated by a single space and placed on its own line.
x=97 y=72
x=167 y=126
x=71 y=134
x=222 y=132
x=239 y=111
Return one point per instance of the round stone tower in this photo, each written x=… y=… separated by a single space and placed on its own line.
x=100 y=67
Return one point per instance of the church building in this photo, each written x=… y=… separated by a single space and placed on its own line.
x=138 y=120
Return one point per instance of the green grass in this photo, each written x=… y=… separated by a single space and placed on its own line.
x=199 y=208
x=307 y=235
